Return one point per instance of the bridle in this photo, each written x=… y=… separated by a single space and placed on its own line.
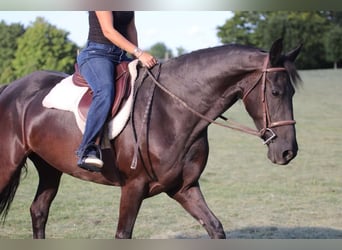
x=267 y=123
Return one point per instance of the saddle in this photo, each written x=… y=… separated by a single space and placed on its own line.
x=122 y=90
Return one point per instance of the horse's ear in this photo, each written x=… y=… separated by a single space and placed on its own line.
x=292 y=55
x=275 y=51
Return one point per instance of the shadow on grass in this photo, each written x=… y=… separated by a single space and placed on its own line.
x=279 y=233
x=285 y=233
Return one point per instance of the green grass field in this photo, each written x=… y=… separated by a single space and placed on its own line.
x=252 y=197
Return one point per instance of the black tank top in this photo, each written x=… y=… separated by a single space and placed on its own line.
x=121 y=20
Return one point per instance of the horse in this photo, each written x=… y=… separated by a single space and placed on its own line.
x=168 y=125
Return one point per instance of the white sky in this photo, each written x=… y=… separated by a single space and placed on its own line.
x=191 y=30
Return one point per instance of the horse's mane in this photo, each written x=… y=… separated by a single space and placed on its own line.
x=2 y=87
x=224 y=49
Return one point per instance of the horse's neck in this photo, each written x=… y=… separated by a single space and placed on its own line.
x=210 y=78
x=210 y=89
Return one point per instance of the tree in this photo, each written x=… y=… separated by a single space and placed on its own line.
x=180 y=51
x=8 y=46
x=333 y=44
x=332 y=39
x=241 y=28
x=262 y=28
x=44 y=47
x=334 y=17
x=160 y=51
x=298 y=27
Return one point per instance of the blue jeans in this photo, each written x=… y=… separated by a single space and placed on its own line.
x=97 y=65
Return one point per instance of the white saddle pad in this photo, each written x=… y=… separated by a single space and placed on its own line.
x=66 y=96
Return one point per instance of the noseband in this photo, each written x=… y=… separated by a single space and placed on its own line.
x=267 y=123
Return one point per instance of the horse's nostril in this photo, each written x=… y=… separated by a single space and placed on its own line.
x=287 y=155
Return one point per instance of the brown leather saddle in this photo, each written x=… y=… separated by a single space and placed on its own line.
x=122 y=90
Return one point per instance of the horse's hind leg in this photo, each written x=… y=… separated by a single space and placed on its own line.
x=49 y=179
x=193 y=202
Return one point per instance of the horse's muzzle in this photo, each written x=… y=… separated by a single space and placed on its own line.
x=282 y=156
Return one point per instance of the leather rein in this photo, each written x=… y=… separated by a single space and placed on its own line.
x=267 y=123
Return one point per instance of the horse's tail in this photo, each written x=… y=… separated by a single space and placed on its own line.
x=7 y=194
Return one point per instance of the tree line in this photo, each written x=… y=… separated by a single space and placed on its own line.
x=319 y=31
x=42 y=46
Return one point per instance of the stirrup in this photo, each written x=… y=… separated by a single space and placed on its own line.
x=89 y=161
x=93 y=147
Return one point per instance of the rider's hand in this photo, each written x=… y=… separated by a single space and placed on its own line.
x=147 y=59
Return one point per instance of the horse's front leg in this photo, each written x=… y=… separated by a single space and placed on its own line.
x=193 y=202
x=132 y=195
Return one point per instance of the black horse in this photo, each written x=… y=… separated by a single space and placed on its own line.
x=194 y=90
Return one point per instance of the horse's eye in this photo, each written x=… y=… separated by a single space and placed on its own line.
x=275 y=92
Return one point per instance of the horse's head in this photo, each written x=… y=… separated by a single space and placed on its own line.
x=269 y=103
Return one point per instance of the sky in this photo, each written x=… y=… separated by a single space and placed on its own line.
x=190 y=30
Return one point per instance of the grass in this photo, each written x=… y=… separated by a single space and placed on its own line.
x=252 y=197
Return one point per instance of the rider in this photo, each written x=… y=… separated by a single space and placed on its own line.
x=111 y=35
